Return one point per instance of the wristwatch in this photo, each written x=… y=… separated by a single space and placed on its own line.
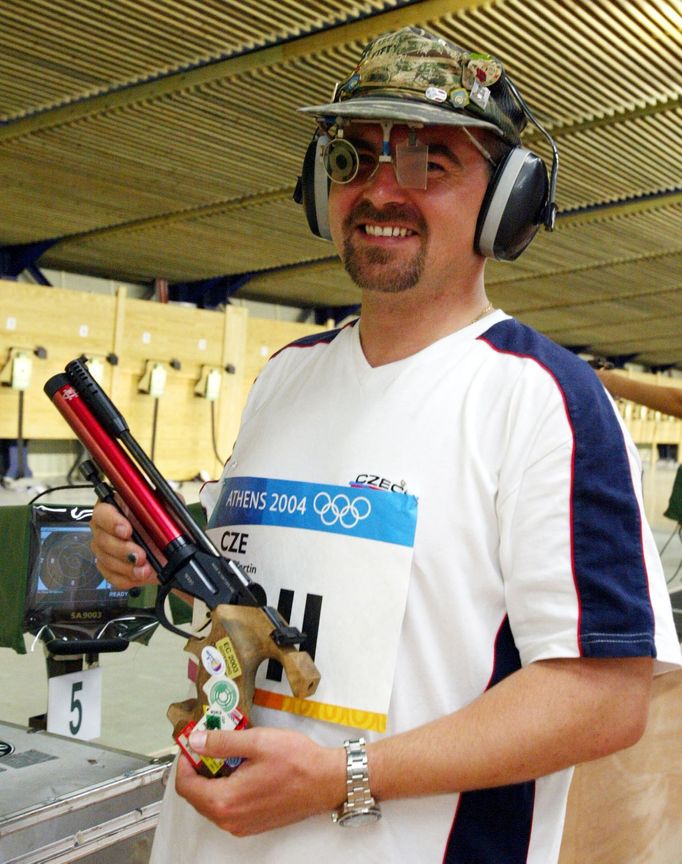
x=360 y=808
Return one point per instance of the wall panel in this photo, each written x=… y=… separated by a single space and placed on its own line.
x=192 y=434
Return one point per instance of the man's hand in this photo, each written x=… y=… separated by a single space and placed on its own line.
x=285 y=778
x=119 y=560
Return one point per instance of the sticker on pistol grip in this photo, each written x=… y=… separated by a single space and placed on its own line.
x=213 y=661
x=182 y=740
x=233 y=667
x=216 y=718
x=222 y=692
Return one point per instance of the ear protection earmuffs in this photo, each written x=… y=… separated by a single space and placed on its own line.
x=519 y=199
x=312 y=189
x=515 y=205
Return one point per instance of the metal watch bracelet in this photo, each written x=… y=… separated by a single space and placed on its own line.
x=360 y=808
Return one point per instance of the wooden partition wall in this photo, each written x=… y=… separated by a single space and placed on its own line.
x=627 y=808
x=193 y=434
x=65 y=324
x=187 y=342
x=648 y=427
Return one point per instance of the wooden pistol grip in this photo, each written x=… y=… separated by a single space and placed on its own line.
x=247 y=631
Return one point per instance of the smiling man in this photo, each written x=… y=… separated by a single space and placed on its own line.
x=419 y=242
x=388 y=233
x=462 y=511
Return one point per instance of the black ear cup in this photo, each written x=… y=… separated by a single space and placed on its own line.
x=513 y=207
x=315 y=188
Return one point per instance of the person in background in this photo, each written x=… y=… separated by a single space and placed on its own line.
x=667 y=400
x=452 y=490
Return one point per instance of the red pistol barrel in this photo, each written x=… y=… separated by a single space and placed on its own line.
x=112 y=459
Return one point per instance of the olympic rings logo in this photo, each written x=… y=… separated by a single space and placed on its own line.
x=341 y=509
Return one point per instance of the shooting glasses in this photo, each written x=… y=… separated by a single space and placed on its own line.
x=345 y=160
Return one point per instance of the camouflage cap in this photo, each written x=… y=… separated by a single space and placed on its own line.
x=414 y=75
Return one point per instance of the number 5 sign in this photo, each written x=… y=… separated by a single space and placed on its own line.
x=74 y=704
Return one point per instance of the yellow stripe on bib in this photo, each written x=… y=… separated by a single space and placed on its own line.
x=321 y=711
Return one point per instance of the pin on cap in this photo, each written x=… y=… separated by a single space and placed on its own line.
x=411 y=75
x=436 y=94
x=480 y=94
x=459 y=97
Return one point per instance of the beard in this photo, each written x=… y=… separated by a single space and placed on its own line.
x=384 y=270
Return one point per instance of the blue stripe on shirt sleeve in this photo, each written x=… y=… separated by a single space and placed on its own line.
x=616 y=617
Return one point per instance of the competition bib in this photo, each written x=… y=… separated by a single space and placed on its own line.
x=335 y=561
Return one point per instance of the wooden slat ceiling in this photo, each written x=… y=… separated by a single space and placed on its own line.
x=160 y=138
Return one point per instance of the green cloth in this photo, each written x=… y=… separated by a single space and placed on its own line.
x=674 y=510
x=15 y=534
x=181 y=612
x=198 y=513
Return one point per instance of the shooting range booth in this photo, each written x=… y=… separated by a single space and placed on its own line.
x=63 y=798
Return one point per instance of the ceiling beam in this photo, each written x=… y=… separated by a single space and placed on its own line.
x=618 y=209
x=304 y=46
x=632 y=112
x=581 y=268
x=649 y=291
x=176 y=82
x=202 y=211
x=324 y=263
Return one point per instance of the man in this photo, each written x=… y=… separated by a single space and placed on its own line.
x=499 y=623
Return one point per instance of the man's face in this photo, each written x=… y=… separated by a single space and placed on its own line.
x=392 y=238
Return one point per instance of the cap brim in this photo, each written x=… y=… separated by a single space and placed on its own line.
x=370 y=108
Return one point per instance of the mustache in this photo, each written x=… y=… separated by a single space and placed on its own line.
x=364 y=211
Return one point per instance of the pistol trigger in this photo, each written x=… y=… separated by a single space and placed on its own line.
x=160 y=611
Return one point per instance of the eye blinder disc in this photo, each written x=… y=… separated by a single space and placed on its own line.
x=341 y=160
x=342 y=163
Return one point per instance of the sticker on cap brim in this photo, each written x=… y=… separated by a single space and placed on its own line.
x=436 y=94
x=459 y=97
x=212 y=660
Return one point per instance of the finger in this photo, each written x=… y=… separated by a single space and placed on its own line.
x=186 y=775
x=106 y=545
x=107 y=518
x=222 y=743
x=122 y=574
x=113 y=547
x=121 y=558
x=199 y=791
x=123 y=563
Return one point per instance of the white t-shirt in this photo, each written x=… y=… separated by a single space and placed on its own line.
x=530 y=544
